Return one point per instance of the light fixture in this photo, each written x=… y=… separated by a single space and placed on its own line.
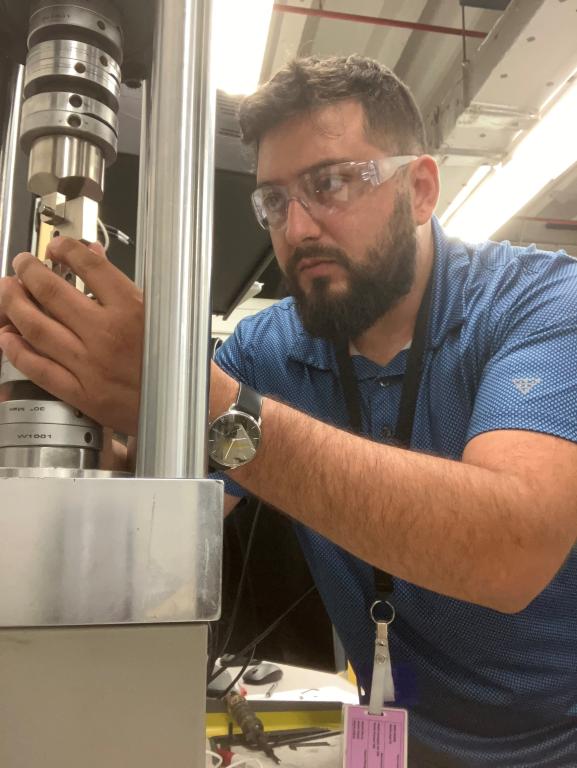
x=547 y=151
x=478 y=176
x=239 y=37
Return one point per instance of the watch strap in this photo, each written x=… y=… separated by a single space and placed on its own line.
x=248 y=401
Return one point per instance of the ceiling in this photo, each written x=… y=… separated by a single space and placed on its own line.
x=478 y=92
x=481 y=71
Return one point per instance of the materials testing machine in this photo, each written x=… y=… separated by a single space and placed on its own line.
x=106 y=580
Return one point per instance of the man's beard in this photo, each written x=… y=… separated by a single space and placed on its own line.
x=374 y=287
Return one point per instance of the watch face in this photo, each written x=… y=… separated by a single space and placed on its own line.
x=233 y=439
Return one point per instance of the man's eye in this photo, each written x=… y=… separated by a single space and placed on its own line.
x=331 y=187
x=332 y=182
x=273 y=201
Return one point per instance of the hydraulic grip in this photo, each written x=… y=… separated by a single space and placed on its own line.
x=69 y=131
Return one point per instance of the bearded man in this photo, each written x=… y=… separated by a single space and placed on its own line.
x=456 y=501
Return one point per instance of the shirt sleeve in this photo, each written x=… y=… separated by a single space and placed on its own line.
x=229 y=357
x=529 y=381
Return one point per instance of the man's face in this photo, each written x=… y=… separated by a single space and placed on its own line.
x=345 y=269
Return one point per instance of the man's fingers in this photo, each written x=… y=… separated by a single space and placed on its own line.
x=98 y=248
x=47 y=374
x=44 y=334
x=7 y=328
x=55 y=295
x=108 y=284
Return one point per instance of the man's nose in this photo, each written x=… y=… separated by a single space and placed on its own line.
x=300 y=224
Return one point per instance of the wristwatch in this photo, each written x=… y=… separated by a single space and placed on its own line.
x=233 y=437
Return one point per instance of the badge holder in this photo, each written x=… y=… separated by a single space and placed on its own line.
x=376 y=736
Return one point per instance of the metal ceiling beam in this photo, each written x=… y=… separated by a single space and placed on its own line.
x=462 y=88
x=310 y=29
x=272 y=44
x=432 y=11
x=487 y=5
x=379 y=37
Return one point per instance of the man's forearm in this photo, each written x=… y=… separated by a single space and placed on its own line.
x=453 y=528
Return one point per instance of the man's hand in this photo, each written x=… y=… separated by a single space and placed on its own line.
x=114 y=454
x=86 y=352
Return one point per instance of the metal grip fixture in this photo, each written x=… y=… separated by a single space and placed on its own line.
x=69 y=116
x=69 y=129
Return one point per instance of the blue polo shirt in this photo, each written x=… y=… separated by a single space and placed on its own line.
x=483 y=688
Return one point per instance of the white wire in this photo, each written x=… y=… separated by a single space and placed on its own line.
x=105 y=235
x=218 y=757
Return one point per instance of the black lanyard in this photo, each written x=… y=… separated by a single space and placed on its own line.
x=407 y=407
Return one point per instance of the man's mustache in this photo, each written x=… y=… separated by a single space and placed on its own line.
x=316 y=252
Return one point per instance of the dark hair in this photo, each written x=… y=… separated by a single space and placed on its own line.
x=392 y=118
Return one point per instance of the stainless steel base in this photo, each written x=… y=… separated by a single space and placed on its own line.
x=47 y=457
x=103 y=697
x=85 y=551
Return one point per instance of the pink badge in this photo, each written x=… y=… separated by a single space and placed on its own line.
x=375 y=741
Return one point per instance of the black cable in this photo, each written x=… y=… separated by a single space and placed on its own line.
x=302 y=739
x=237 y=678
x=214 y=654
x=276 y=622
x=265 y=633
x=241 y=581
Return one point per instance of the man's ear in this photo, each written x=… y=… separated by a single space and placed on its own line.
x=424 y=187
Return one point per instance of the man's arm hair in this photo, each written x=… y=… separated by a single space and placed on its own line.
x=493 y=529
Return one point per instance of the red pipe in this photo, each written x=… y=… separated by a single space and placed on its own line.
x=377 y=21
x=569 y=223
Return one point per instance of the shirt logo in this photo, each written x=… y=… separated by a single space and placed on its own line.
x=524 y=386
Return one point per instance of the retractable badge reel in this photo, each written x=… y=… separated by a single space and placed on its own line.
x=376 y=736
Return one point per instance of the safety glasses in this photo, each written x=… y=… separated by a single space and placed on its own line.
x=324 y=190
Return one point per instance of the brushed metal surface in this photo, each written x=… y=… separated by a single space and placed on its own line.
x=103 y=697
x=109 y=551
x=62 y=435
x=19 y=460
x=74 y=66
x=137 y=19
x=74 y=471
x=67 y=112
x=42 y=412
x=98 y=20
x=180 y=185
x=66 y=164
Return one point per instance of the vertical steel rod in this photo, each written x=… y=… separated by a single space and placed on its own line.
x=140 y=259
x=178 y=232
x=9 y=127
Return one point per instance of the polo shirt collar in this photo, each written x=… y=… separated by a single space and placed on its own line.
x=449 y=274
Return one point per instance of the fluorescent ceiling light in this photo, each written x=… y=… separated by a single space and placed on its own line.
x=547 y=151
x=239 y=36
x=478 y=176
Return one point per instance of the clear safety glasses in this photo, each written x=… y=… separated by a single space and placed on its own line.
x=324 y=190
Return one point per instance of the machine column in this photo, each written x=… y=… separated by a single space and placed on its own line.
x=10 y=110
x=178 y=237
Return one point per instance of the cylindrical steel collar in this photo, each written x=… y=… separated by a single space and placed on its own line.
x=53 y=114
x=62 y=65
x=95 y=21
